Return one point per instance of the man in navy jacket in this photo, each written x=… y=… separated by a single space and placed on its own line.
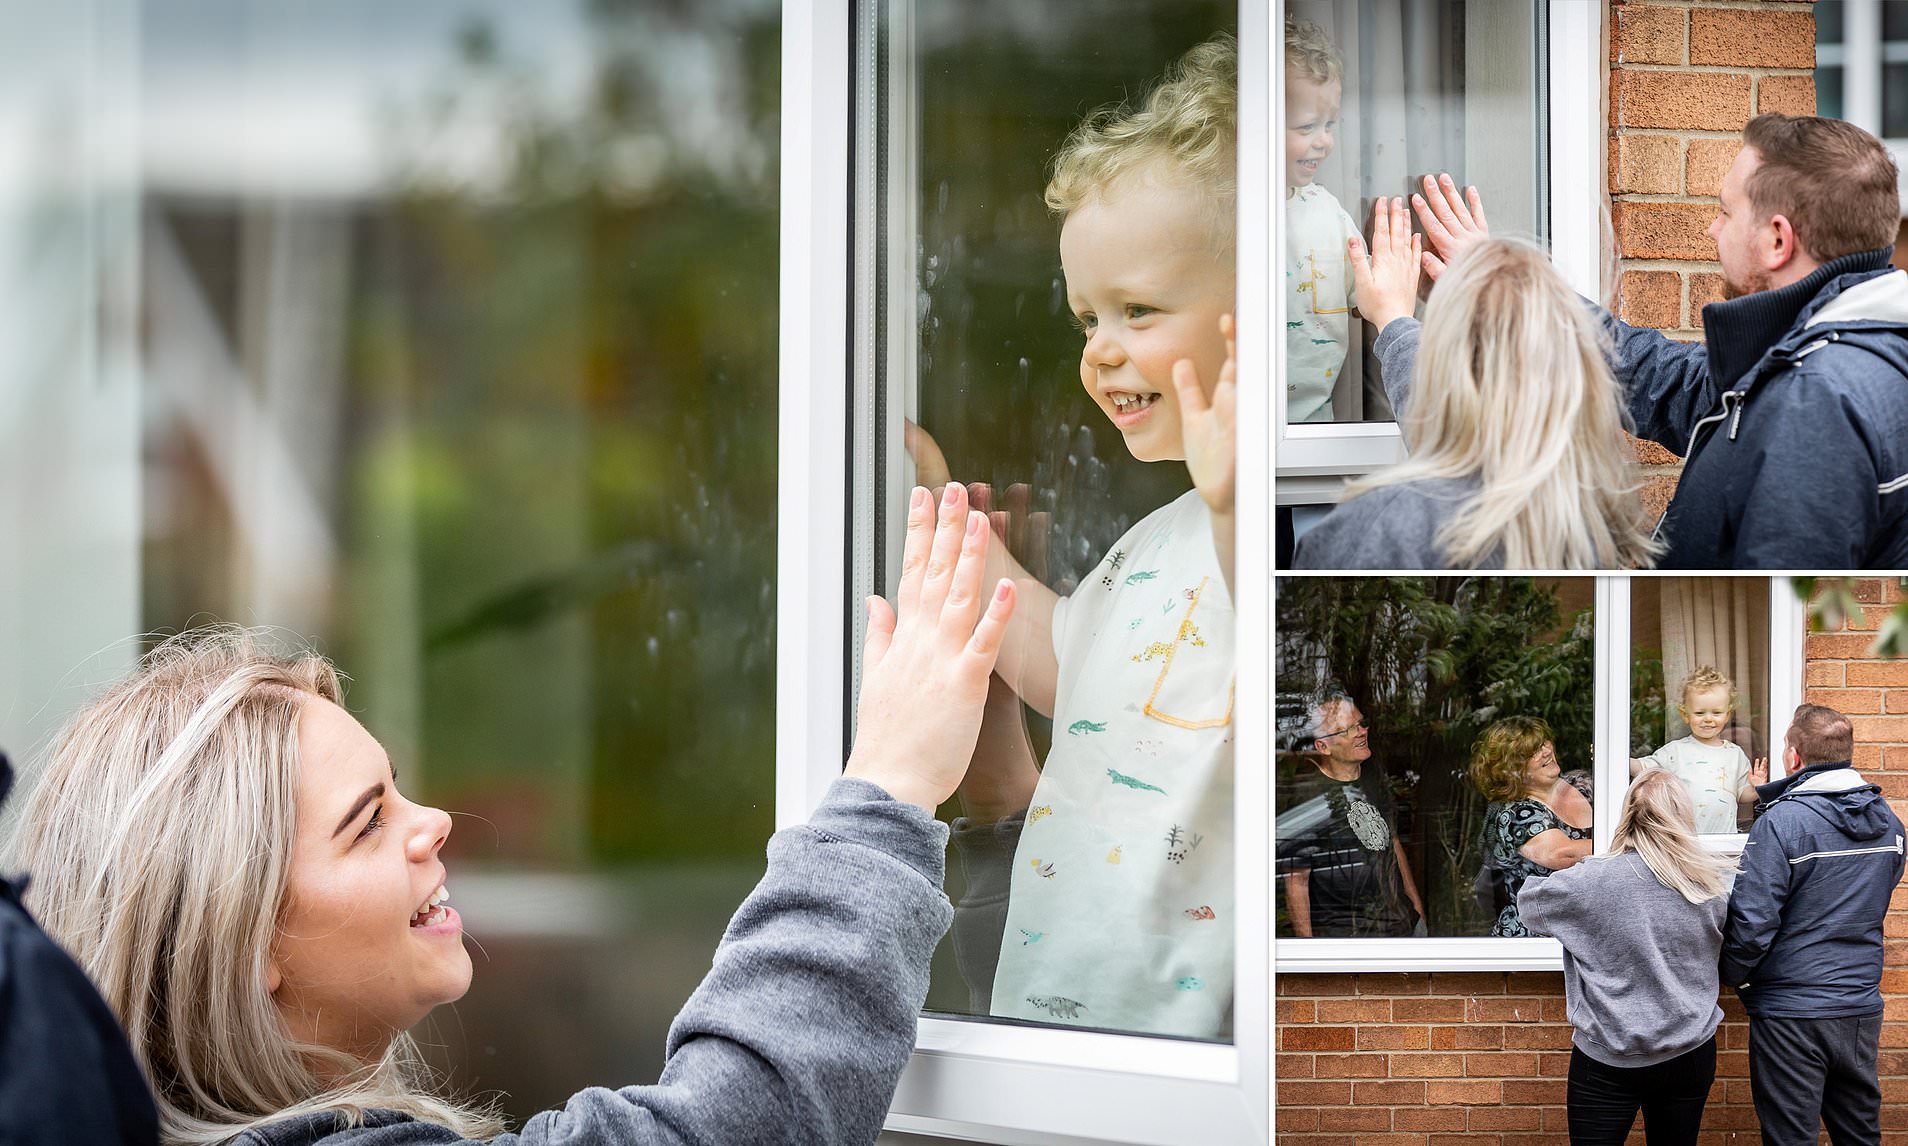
x=66 y=1073
x=1803 y=939
x=1792 y=413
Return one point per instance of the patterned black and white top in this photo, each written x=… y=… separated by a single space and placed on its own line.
x=1508 y=827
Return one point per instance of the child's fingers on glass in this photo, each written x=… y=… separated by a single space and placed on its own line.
x=1192 y=398
x=946 y=550
x=984 y=645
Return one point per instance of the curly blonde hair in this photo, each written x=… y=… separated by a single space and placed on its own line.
x=1189 y=121
x=1310 y=53
x=1500 y=756
x=1705 y=678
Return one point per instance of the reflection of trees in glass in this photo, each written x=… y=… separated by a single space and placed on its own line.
x=1431 y=662
x=1649 y=710
x=567 y=365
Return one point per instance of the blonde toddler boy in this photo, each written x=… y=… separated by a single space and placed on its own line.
x=1120 y=907
x=1319 y=295
x=1717 y=772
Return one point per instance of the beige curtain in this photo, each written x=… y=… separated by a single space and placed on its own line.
x=1722 y=622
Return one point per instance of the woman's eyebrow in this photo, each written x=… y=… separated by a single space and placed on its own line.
x=370 y=794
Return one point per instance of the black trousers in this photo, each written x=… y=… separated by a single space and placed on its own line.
x=1805 y=1072
x=1604 y=1099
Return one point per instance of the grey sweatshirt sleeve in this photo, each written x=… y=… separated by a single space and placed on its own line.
x=1397 y=351
x=1755 y=906
x=800 y=1030
x=1543 y=906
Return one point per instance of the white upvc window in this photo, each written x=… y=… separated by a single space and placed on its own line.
x=1861 y=70
x=1751 y=628
x=1525 y=126
x=874 y=266
x=861 y=262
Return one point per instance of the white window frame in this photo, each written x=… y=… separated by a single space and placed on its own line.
x=978 y=1080
x=1787 y=622
x=1315 y=459
x=1861 y=53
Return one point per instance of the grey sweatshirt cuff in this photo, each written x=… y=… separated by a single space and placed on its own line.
x=1394 y=330
x=859 y=812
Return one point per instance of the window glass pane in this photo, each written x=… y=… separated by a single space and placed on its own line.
x=1828 y=92
x=1434 y=749
x=1095 y=893
x=1828 y=22
x=1378 y=94
x=457 y=356
x=1699 y=688
x=1895 y=101
x=1894 y=21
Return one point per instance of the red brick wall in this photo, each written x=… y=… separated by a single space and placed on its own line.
x=1684 y=79
x=1434 y=1059
x=1875 y=695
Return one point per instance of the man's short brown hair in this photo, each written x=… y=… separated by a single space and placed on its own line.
x=1821 y=735
x=1834 y=182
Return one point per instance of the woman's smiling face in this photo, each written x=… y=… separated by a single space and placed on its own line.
x=1542 y=770
x=355 y=961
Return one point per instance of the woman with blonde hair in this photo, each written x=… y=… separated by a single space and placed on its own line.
x=1538 y=821
x=227 y=854
x=1641 y=928
x=1513 y=421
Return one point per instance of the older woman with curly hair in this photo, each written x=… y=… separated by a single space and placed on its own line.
x=1538 y=821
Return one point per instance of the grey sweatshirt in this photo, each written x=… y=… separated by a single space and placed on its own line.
x=799 y=1032
x=1640 y=980
x=1393 y=526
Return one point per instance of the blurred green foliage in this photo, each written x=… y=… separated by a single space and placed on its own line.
x=1834 y=601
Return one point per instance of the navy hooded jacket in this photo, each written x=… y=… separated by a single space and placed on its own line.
x=1804 y=934
x=67 y=1075
x=1792 y=417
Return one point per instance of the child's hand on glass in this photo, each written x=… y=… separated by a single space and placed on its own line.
x=1452 y=223
x=924 y=673
x=1387 y=281
x=1759 y=771
x=1014 y=519
x=1206 y=424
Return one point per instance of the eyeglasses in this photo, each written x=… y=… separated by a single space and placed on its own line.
x=1340 y=732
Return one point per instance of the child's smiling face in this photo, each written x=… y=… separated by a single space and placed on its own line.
x=1147 y=280
x=1311 y=125
x=1707 y=710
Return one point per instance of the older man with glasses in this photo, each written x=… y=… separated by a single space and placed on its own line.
x=1340 y=858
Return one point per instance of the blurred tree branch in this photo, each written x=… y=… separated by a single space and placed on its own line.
x=1834 y=601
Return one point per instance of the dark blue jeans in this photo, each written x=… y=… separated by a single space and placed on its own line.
x=1604 y=1100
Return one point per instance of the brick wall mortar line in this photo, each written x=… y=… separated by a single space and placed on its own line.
x=1738 y=5
x=1693 y=266
x=1711 y=69
x=1673 y=200
x=1676 y=133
